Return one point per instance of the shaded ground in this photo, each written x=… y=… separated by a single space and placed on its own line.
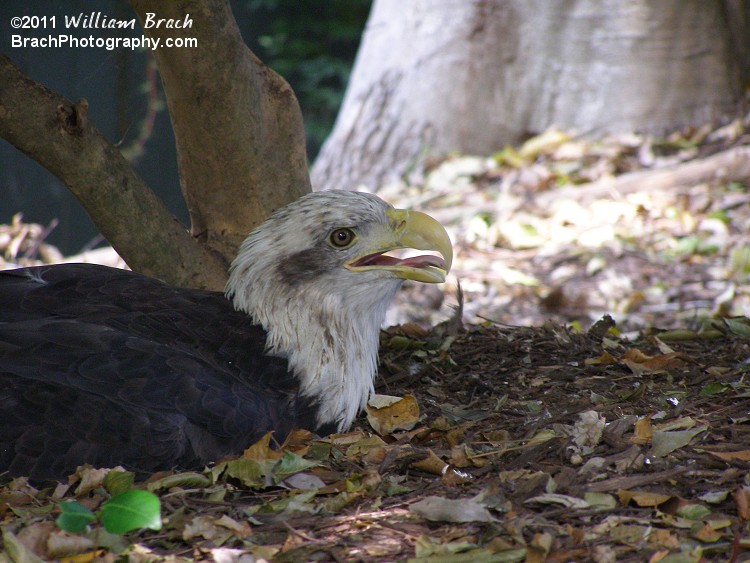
x=564 y=446
x=550 y=438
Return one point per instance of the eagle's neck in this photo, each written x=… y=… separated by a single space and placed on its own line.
x=330 y=339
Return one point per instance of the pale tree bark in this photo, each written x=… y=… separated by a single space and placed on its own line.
x=240 y=145
x=454 y=75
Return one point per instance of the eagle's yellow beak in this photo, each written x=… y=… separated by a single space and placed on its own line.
x=408 y=229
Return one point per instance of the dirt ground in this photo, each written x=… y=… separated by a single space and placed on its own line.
x=584 y=400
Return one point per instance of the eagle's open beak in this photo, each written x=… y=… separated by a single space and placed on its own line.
x=408 y=229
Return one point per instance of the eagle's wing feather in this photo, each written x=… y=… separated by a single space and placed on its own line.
x=149 y=384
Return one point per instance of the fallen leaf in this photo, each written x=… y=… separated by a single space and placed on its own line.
x=714 y=497
x=252 y=473
x=187 y=479
x=431 y=464
x=298 y=441
x=428 y=548
x=663 y=347
x=346 y=438
x=87 y=557
x=739 y=326
x=364 y=446
x=261 y=450
x=453 y=476
x=544 y=143
x=707 y=534
x=290 y=464
x=539 y=548
x=641 y=498
x=439 y=509
x=387 y=414
x=203 y=526
x=693 y=511
x=664 y=443
x=303 y=481
x=642 y=431
x=62 y=543
x=239 y=529
x=742 y=501
x=263 y=552
x=606 y=359
x=463 y=456
x=640 y=363
x=713 y=388
x=541 y=437
x=742 y=455
x=565 y=501
x=91 y=478
x=629 y=534
x=678 y=335
x=682 y=423
x=587 y=430
x=15 y=550
x=663 y=538
x=602 y=501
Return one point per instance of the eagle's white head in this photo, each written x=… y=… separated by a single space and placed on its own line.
x=316 y=277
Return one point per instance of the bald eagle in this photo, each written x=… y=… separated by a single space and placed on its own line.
x=109 y=367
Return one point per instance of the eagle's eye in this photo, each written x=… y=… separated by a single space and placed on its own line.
x=341 y=238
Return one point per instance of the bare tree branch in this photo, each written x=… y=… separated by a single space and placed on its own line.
x=59 y=136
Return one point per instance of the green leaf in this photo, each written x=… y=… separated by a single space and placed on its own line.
x=188 y=479
x=117 y=481
x=664 y=443
x=250 y=472
x=713 y=388
x=739 y=326
x=290 y=464
x=131 y=510
x=694 y=511
x=74 y=517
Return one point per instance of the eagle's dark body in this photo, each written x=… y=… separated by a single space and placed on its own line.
x=85 y=331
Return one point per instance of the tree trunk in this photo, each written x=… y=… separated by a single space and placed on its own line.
x=450 y=75
x=238 y=127
x=239 y=137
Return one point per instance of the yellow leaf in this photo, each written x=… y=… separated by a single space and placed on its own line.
x=545 y=142
x=742 y=500
x=431 y=464
x=658 y=556
x=364 y=446
x=606 y=359
x=643 y=431
x=84 y=557
x=298 y=441
x=742 y=455
x=663 y=538
x=387 y=414
x=261 y=450
x=682 y=423
x=346 y=439
x=642 y=498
